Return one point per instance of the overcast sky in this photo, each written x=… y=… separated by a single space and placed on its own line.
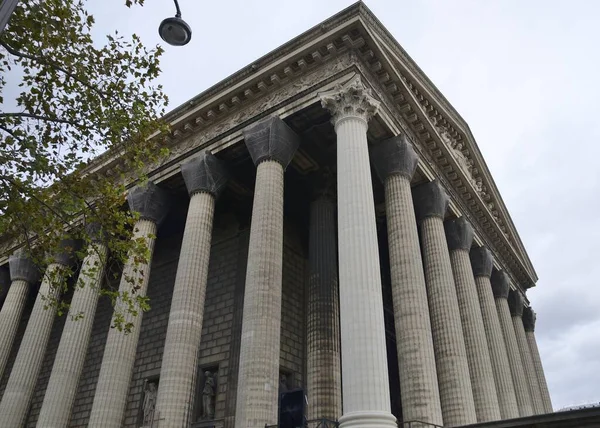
x=523 y=74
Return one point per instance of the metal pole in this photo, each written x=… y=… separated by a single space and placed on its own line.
x=6 y=9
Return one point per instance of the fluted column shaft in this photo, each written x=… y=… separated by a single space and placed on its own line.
x=514 y=357
x=23 y=274
x=534 y=388
x=176 y=389
x=364 y=360
x=524 y=402
x=459 y=234
x=529 y=319
x=323 y=364
x=110 y=397
x=72 y=349
x=539 y=370
x=10 y=315
x=395 y=162
x=272 y=145
x=451 y=356
x=23 y=376
x=515 y=302
x=261 y=324
x=365 y=387
x=204 y=178
x=456 y=393
x=505 y=389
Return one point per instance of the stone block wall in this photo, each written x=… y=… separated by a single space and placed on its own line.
x=292 y=358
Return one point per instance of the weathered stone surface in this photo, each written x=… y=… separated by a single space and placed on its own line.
x=150 y=201
x=271 y=139
x=110 y=397
x=414 y=341
x=500 y=284
x=65 y=254
x=515 y=303
x=394 y=156
x=431 y=200
x=480 y=366
x=95 y=232
x=530 y=374
x=261 y=324
x=350 y=100
x=529 y=325
x=28 y=364
x=180 y=357
x=365 y=387
x=498 y=355
x=529 y=318
x=21 y=267
x=204 y=173
x=456 y=391
x=459 y=234
x=323 y=358
x=10 y=316
x=482 y=261
x=70 y=356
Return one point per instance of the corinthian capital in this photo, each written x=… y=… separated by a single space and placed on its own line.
x=350 y=99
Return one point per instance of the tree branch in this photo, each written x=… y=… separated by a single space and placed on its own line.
x=51 y=64
x=32 y=195
x=37 y=116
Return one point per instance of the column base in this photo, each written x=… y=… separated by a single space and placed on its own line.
x=371 y=419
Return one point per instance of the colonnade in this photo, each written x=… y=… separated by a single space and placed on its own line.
x=465 y=353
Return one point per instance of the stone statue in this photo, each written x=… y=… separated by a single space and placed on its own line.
x=283 y=386
x=149 y=404
x=208 y=396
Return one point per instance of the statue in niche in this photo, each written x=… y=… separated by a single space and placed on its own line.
x=149 y=404
x=283 y=386
x=208 y=396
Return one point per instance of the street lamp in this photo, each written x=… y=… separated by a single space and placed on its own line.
x=175 y=31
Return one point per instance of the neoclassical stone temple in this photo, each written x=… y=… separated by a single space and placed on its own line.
x=324 y=221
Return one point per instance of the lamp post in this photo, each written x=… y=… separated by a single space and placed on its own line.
x=175 y=31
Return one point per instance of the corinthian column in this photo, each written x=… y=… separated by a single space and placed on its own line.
x=395 y=162
x=26 y=369
x=205 y=178
x=482 y=263
x=120 y=349
x=529 y=325
x=459 y=235
x=72 y=349
x=23 y=274
x=515 y=304
x=323 y=364
x=500 y=288
x=365 y=388
x=456 y=394
x=272 y=145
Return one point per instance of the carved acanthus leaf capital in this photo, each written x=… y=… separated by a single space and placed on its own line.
x=350 y=99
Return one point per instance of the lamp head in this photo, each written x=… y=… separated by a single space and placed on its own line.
x=175 y=31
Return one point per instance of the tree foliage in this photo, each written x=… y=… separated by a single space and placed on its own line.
x=79 y=99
